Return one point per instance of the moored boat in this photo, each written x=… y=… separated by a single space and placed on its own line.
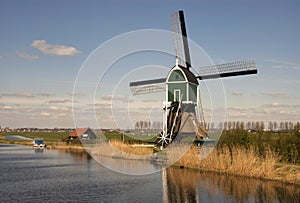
x=39 y=143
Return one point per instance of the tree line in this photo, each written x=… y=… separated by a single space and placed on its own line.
x=230 y=125
x=148 y=125
x=256 y=125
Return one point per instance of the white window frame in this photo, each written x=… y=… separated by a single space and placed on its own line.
x=177 y=91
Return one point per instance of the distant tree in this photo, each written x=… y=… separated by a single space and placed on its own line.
x=137 y=125
x=257 y=125
x=158 y=125
x=141 y=125
x=275 y=125
x=286 y=125
x=248 y=125
x=225 y=126
x=291 y=125
x=297 y=126
x=242 y=125
x=262 y=125
x=153 y=125
x=271 y=126
x=145 y=124
x=220 y=126
x=281 y=125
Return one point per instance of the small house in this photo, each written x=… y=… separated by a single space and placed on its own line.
x=82 y=133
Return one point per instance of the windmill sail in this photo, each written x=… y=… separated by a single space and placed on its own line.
x=244 y=67
x=180 y=39
x=182 y=53
x=148 y=86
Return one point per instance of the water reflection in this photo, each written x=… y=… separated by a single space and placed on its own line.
x=39 y=150
x=181 y=185
x=79 y=156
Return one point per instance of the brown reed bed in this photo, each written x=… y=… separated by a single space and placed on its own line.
x=118 y=150
x=131 y=149
x=238 y=161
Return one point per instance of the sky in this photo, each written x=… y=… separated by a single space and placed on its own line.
x=46 y=46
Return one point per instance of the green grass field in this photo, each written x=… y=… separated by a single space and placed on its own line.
x=48 y=136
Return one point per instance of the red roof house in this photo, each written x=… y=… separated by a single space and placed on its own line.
x=82 y=133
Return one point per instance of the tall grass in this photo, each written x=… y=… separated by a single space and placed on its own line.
x=131 y=149
x=118 y=149
x=235 y=160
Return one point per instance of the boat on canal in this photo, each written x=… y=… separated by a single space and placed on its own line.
x=39 y=143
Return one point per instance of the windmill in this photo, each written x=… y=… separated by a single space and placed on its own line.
x=182 y=88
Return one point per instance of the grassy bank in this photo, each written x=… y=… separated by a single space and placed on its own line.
x=285 y=145
x=53 y=140
x=235 y=160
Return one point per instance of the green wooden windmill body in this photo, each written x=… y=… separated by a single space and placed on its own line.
x=181 y=85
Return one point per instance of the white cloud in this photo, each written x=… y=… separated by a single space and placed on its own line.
x=7 y=107
x=27 y=56
x=288 y=63
x=62 y=101
x=54 y=49
x=61 y=115
x=114 y=97
x=46 y=114
x=236 y=93
x=25 y=95
x=149 y=100
x=58 y=108
x=274 y=94
x=283 y=64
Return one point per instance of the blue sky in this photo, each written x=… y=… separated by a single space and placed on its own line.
x=44 y=44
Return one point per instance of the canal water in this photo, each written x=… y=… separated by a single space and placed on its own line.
x=28 y=175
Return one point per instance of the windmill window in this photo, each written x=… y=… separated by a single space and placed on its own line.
x=176 y=77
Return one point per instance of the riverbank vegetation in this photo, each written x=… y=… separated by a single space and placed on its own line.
x=238 y=161
x=259 y=154
x=53 y=140
x=285 y=145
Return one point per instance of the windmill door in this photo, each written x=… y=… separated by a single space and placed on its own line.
x=177 y=95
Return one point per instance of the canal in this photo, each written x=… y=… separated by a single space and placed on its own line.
x=28 y=175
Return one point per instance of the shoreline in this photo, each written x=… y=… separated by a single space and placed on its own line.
x=49 y=145
x=285 y=173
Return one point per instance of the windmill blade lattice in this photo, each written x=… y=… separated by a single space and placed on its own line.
x=244 y=67
x=148 y=86
x=180 y=39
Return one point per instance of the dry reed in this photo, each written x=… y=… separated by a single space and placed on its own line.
x=119 y=150
x=131 y=149
x=235 y=160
